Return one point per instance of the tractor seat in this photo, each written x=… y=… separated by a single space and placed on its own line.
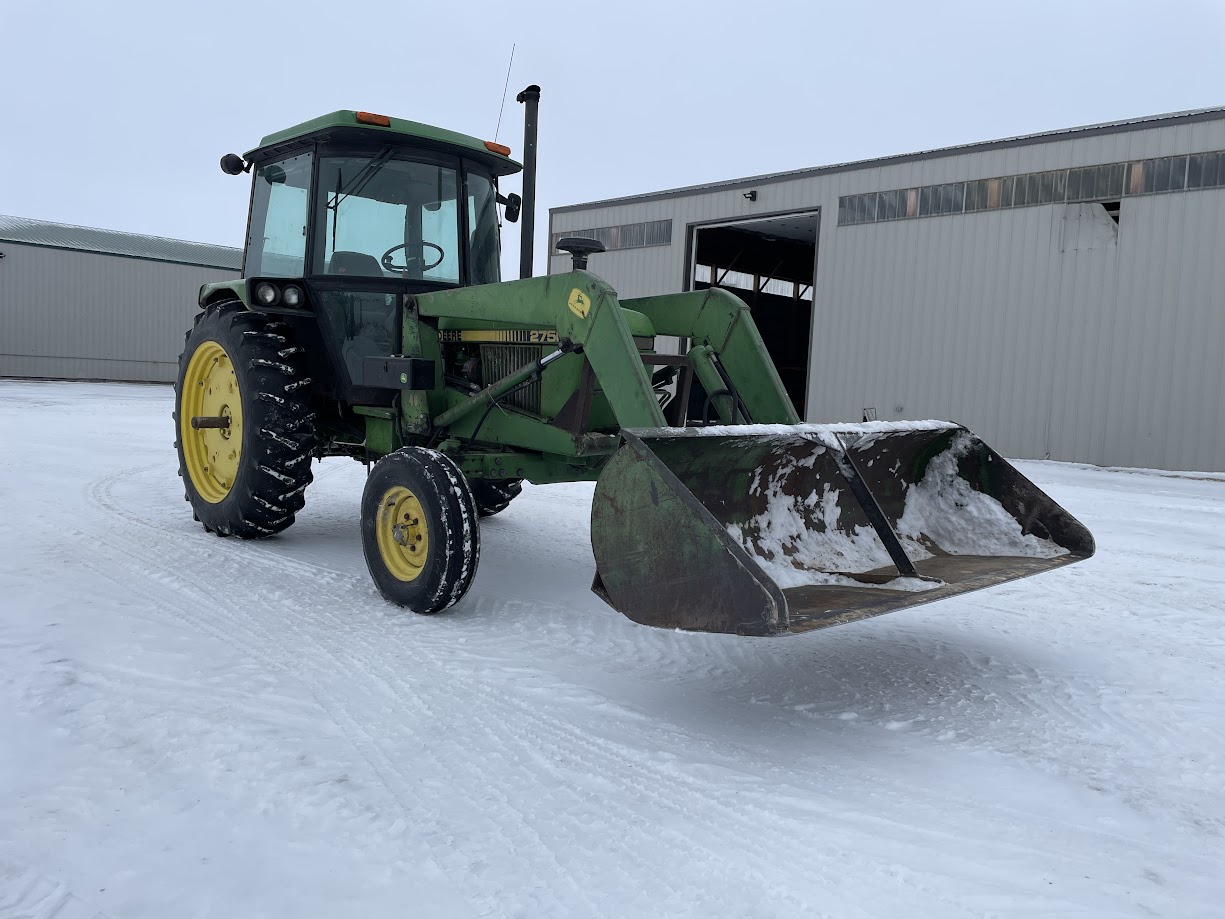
x=354 y=264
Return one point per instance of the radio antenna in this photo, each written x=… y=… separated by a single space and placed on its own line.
x=505 y=86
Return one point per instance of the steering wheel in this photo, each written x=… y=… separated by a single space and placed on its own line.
x=387 y=264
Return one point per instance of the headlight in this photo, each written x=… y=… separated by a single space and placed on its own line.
x=291 y=295
x=266 y=293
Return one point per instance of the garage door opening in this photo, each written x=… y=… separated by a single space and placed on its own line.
x=770 y=264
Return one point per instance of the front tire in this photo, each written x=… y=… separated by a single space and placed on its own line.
x=494 y=495
x=241 y=374
x=420 y=533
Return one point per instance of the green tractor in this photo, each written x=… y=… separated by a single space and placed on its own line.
x=371 y=322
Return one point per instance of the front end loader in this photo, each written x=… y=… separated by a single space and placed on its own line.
x=371 y=322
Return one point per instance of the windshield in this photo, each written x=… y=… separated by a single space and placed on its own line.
x=384 y=217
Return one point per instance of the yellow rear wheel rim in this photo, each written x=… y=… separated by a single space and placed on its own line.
x=210 y=390
x=402 y=534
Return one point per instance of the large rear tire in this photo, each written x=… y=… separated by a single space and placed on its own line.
x=247 y=464
x=420 y=533
x=494 y=496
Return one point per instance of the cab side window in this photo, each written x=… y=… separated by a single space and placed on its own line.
x=276 y=244
x=484 y=253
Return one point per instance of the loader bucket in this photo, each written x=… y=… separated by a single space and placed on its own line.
x=772 y=529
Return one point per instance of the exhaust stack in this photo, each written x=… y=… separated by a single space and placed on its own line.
x=531 y=98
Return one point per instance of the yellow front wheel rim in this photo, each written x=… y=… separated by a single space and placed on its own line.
x=210 y=390
x=402 y=533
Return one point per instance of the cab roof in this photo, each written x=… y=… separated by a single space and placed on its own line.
x=344 y=125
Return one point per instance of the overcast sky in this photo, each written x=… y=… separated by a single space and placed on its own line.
x=115 y=114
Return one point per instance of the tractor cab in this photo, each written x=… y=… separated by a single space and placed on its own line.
x=351 y=212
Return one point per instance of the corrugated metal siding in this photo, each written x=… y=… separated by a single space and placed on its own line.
x=1028 y=325
x=79 y=315
x=117 y=242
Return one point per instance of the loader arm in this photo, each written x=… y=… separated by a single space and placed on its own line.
x=584 y=310
x=722 y=332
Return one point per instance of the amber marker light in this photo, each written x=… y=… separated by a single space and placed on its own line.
x=370 y=118
x=497 y=148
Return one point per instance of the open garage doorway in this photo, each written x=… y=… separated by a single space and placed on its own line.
x=770 y=264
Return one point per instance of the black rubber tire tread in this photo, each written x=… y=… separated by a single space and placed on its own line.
x=278 y=424
x=494 y=495
x=454 y=532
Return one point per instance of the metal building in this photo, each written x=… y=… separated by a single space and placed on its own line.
x=1062 y=294
x=79 y=303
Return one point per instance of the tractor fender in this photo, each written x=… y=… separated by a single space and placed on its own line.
x=223 y=292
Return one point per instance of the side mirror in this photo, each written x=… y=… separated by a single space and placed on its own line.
x=513 y=205
x=232 y=164
x=273 y=175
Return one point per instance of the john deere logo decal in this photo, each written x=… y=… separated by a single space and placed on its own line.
x=579 y=304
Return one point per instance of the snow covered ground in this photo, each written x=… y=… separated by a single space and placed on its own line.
x=192 y=726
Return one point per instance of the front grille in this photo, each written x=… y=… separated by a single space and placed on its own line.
x=498 y=361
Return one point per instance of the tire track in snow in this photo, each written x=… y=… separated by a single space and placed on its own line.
x=246 y=633
x=242 y=631
x=699 y=801
x=491 y=699
x=598 y=750
x=337 y=625
x=26 y=894
x=233 y=632
x=280 y=562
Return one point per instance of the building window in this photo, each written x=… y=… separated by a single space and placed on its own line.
x=625 y=236
x=1105 y=184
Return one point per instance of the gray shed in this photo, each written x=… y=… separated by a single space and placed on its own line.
x=79 y=303
x=1062 y=294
